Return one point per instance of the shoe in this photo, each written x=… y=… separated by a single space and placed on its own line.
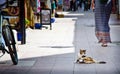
x=104 y=45
x=99 y=41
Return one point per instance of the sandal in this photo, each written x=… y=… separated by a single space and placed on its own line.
x=100 y=41
x=104 y=45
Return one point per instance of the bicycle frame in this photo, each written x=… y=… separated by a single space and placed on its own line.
x=1 y=37
x=2 y=41
x=7 y=38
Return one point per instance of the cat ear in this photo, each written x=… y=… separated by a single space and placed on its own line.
x=84 y=50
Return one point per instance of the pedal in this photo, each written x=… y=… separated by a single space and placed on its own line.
x=2 y=48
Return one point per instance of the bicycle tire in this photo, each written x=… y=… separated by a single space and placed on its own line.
x=10 y=43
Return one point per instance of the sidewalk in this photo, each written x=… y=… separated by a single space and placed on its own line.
x=54 y=51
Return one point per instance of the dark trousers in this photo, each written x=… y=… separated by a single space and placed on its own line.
x=81 y=1
x=85 y=5
x=73 y=5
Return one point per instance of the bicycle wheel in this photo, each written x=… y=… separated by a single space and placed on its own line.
x=10 y=43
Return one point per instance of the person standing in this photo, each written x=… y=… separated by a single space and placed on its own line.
x=77 y=4
x=71 y=5
x=81 y=1
x=56 y=3
x=102 y=11
x=53 y=6
x=74 y=5
x=89 y=4
x=85 y=5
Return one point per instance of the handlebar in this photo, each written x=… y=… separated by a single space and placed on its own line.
x=1 y=5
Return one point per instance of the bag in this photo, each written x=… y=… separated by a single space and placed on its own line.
x=103 y=1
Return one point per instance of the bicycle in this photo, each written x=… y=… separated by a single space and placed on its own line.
x=7 y=40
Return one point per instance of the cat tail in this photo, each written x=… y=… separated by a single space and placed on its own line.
x=101 y=62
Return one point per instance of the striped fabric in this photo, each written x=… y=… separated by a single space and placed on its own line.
x=102 y=15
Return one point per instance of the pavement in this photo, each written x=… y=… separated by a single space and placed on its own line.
x=55 y=51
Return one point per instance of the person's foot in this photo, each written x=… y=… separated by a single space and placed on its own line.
x=104 y=45
x=100 y=41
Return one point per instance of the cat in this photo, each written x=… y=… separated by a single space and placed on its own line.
x=82 y=58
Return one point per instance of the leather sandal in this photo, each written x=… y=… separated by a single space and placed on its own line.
x=104 y=45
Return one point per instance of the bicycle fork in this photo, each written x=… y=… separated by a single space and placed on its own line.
x=1 y=39
x=2 y=43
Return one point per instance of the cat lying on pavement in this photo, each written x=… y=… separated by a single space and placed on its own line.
x=83 y=59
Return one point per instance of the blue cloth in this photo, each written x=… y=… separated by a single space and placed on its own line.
x=52 y=20
x=102 y=15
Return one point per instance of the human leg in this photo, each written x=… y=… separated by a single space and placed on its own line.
x=102 y=29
